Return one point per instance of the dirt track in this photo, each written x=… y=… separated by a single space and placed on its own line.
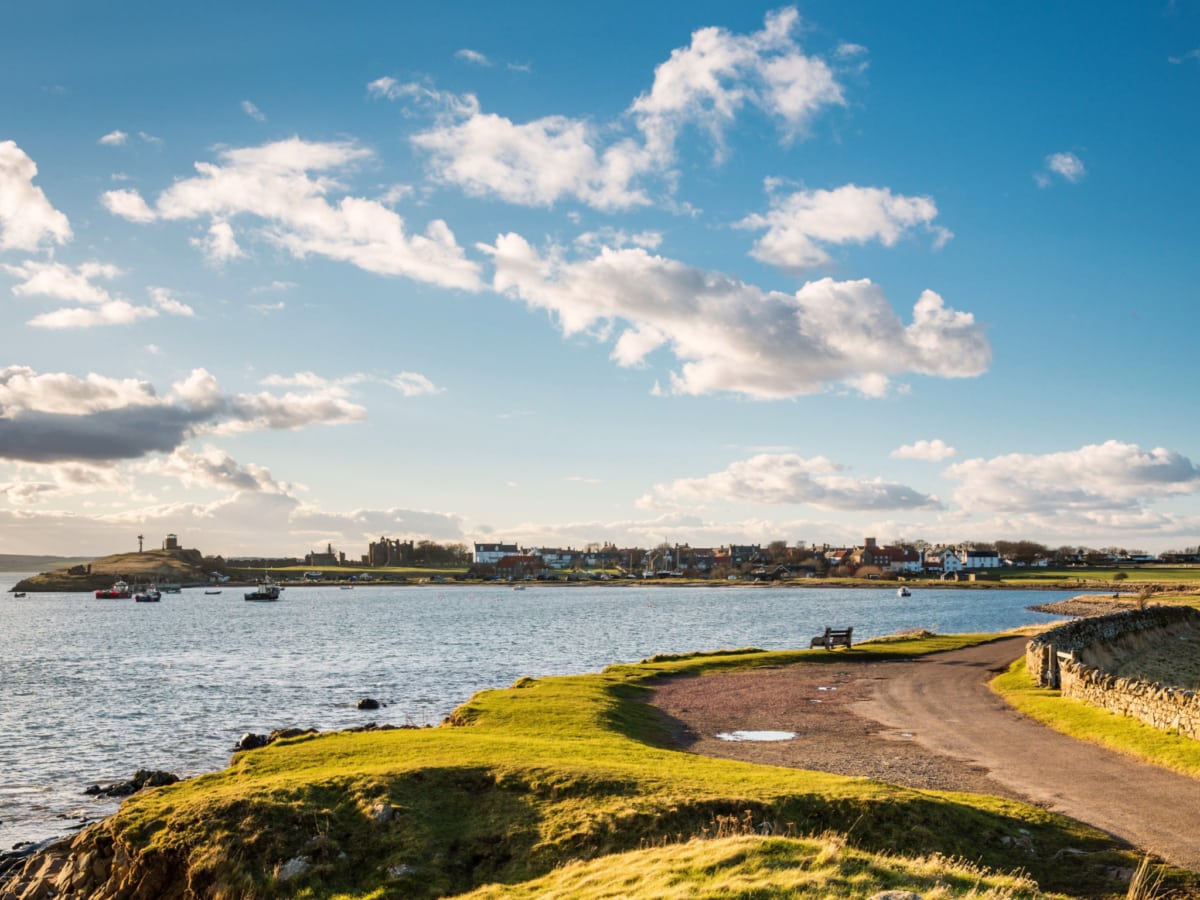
x=934 y=723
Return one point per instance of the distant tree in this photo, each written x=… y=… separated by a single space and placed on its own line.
x=777 y=551
x=1021 y=551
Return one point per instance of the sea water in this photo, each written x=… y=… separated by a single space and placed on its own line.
x=92 y=690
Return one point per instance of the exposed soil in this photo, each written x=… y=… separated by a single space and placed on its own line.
x=933 y=723
x=815 y=702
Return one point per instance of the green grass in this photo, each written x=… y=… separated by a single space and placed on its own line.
x=1099 y=726
x=1167 y=575
x=568 y=771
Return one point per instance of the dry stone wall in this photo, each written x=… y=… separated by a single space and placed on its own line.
x=1070 y=658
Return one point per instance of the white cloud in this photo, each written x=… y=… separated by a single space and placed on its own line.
x=253 y=111
x=555 y=158
x=274 y=183
x=1109 y=478
x=150 y=139
x=1190 y=55
x=23 y=390
x=535 y=164
x=128 y=204
x=930 y=451
x=164 y=301
x=115 y=138
x=472 y=56
x=112 y=312
x=708 y=82
x=799 y=224
x=27 y=220
x=734 y=337
x=219 y=244
x=62 y=282
x=1067 y=166
x=791 y=479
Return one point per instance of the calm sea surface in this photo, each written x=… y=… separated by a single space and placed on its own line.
x=92 y=690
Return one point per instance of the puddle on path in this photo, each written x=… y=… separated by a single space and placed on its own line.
x=756 y=735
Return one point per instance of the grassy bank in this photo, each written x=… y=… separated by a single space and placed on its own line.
x=1090 y=723
x=571 y=779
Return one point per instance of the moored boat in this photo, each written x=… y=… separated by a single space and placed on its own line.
x=150 y=594
x=266 y=590
x=170 y=587
x=119 y=591
x=903 y=592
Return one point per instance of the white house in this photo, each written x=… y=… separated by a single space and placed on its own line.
x=979 y=559
x=490 y=554
x=945 y=561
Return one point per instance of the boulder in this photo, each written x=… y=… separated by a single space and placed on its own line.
x=369 y=703
x=142 y=778
x=251 y=741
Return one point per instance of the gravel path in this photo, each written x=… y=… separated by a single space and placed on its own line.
x=934 y=723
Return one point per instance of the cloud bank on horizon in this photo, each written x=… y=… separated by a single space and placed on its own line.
x=715 y=251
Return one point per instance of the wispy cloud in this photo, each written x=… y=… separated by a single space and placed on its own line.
x=253 y=111
x=1066 y=166
x=788 y=479
x=472 y=56
x=115 y=138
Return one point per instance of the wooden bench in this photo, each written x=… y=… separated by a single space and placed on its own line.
x=833 y=637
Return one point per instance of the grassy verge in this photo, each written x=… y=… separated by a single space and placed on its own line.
x=1089 y=723
x=553 y=777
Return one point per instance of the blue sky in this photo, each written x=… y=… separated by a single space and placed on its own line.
x=281 y=275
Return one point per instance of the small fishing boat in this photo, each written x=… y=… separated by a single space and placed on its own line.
x=150 y=595
x=211 y=593
x=903 y=592
x=119 y=591
x=18 y=594
x=170 y=587
x=266 y=591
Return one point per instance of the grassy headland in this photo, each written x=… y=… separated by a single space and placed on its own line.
x=571 y=784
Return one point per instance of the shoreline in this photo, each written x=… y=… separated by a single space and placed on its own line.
x=798 y=584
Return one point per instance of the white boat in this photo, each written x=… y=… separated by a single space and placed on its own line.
x=148 y=595
x=903 y=592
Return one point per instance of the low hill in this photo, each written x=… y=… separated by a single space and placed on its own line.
x=182 y=566
x=17 y=562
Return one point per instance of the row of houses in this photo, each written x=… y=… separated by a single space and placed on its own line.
x=870 y=556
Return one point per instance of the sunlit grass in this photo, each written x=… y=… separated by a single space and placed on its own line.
x=1089 y=723
x=567 y=770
